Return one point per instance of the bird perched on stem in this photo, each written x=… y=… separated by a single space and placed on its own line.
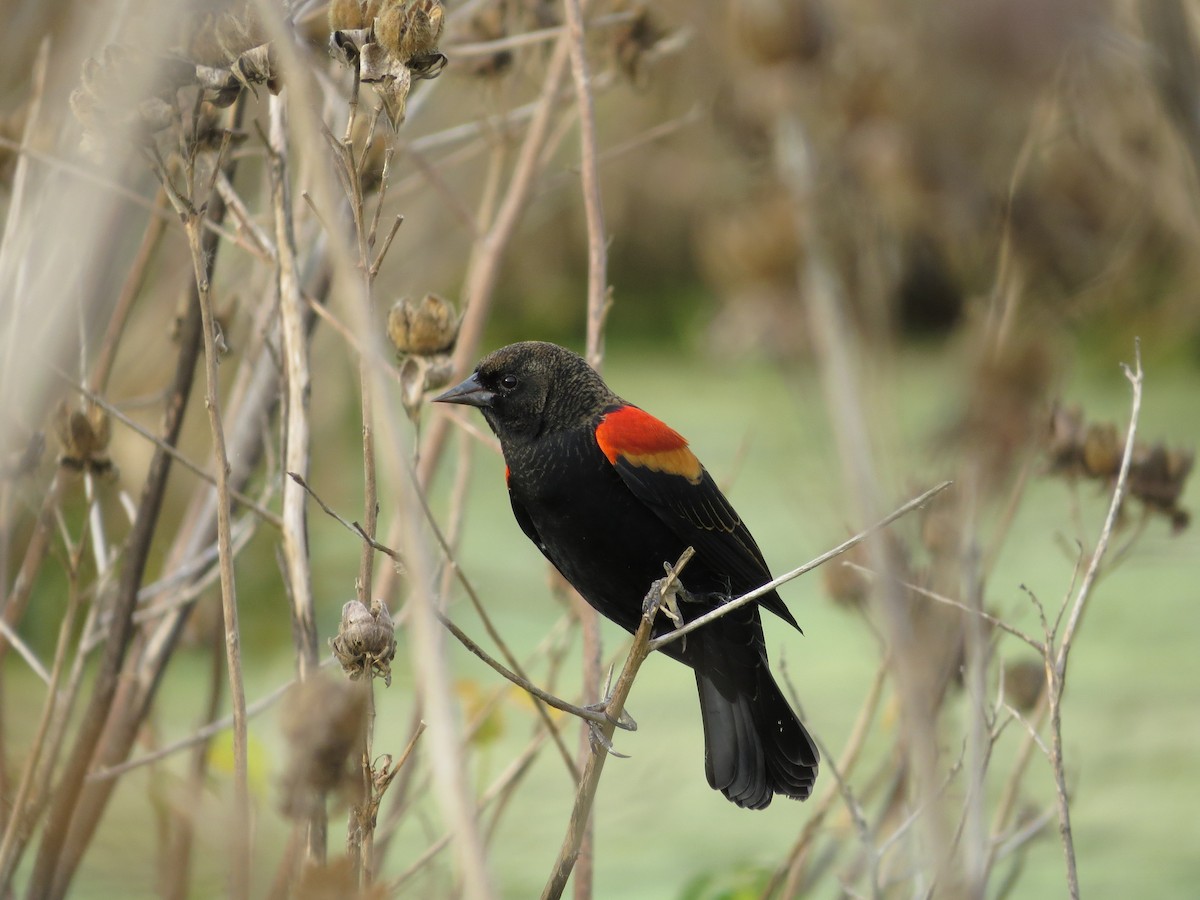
x=609 y=494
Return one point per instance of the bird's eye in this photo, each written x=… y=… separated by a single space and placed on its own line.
x=509 y=382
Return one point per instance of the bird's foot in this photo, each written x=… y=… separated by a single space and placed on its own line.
x=664 y=596
x=624 y=721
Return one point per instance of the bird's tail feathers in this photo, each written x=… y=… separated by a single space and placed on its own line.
x=754 y=744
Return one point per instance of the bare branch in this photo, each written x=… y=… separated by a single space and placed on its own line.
x=841 y=548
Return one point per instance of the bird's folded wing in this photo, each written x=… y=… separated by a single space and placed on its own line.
x=657 y=466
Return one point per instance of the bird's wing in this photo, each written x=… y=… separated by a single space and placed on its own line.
x=656 y=464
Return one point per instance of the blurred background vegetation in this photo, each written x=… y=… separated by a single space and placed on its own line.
x=1003 y=196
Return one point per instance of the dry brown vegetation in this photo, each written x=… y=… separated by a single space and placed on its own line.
x=209 y=215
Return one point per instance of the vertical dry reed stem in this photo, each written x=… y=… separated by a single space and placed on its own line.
x=297 y=437
x=240 y=853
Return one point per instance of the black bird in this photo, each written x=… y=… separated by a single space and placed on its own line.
x=609 y=493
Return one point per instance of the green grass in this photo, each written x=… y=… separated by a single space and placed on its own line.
x=1131 y=715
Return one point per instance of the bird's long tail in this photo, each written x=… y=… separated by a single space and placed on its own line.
x=754 y=744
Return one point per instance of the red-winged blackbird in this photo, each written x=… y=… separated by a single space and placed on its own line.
x=609 y=493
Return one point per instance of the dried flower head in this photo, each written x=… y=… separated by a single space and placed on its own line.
x=1024 y=683
x=323 y=722
x=410 y=29
x=1157 y=474
x=1157 y=477
x=426 y=328
x=366 y=640
x=83 y=434
x=350 y=15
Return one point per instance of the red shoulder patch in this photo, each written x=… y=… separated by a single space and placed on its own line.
x=507 y=474
x=641 y=440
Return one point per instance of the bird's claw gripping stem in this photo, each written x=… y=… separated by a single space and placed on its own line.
x=624 y=721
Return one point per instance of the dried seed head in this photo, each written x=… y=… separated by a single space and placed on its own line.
x=1102 y=450
x=1157 y=477
x=426 y=328
x=366 y=640
x=1024 y=682
x=323 y=722
x=349 y=15
x=83 y=435
x=410 y=29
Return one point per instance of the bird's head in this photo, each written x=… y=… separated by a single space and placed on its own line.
x=532 y=387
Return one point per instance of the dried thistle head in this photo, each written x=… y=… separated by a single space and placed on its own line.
x=1157 y=476
x=366 y=640
x=322 y=722
x=425 y=328
x=1157 y=473
x=410 y=29
x=1024 y=683
x=351 y=15
x=424 y=334
x=83 y=434
x=1102 y=450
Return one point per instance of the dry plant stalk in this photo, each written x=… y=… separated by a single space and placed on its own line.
x=140 y=575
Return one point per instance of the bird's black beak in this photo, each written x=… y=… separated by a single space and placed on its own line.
x=469 y=393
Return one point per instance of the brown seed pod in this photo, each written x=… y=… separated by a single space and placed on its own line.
x=410 y=29
x=84 y=435
x=1024 y=682
x=1101 y=450
x=426 y=328
x=347 y=15
x=366 y=640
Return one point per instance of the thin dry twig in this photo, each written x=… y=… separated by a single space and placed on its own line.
x=241 y=848
x=751 y=596
x=1056 y=662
